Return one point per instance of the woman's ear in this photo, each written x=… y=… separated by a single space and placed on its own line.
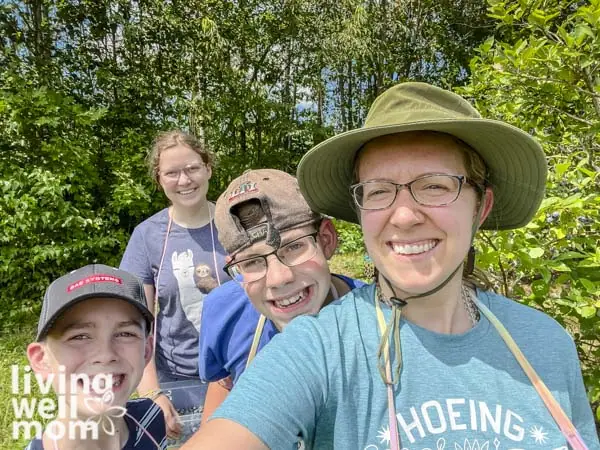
x=488 y=202
x=327 y=237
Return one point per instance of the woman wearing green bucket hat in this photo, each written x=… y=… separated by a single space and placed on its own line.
x=425 y=357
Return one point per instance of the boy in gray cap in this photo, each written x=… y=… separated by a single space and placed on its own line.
x=92 y=345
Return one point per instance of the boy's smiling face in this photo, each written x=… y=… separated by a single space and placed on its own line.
x=99 y=337
x=287 y=292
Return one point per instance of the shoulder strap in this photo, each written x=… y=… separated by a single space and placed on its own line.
x=257 y=334
x=565 y=425
x=156 y=283
x=562 y=420
x=389 y=382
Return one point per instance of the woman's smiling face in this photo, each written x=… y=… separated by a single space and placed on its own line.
x=417 y=247
x=183 y=176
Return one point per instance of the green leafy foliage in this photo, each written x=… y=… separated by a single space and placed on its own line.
x=350 y=238
x=52 y=214
x=85 y=86
x=543 y=76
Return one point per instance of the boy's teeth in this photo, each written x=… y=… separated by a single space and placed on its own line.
x=283 y=303
x=413 y=249
x=118 y=380
x=189 y=191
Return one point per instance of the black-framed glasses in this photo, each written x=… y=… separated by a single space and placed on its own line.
x=291 y=254
x=428 y=190
x=191 y=171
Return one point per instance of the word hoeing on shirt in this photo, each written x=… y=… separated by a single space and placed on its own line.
x=458 y=414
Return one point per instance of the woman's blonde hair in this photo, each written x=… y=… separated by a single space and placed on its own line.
x=477 y=174
x=169 y=139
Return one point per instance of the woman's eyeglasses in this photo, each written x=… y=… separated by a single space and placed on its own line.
x=428 y=190
x=191 y=171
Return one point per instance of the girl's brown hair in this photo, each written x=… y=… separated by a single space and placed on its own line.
x=169 y=139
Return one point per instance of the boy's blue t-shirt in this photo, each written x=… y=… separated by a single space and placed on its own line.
x=319 y=380
x=228 y=324
x=148 y=414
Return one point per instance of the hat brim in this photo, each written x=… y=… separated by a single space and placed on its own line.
x=516 y=164
x=146 y=314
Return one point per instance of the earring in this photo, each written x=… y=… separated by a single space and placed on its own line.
x=470 y=265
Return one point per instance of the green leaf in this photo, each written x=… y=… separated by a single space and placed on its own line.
x=561 y=267
x=581 y=31
x=487 y=45
x=561 y=168
x=587 y=311
x=540 y=288
x=569 y=255
x=564 y=302
x=587 y=284
x=536 y=252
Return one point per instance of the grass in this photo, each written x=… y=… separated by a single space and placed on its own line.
x=350 y=264
x=12 y=352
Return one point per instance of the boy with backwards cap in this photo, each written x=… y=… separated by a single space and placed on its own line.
x=278 y=249
x=94 y=331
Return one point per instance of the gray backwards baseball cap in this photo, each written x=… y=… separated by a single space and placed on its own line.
x=278 y=201
x=92 y=281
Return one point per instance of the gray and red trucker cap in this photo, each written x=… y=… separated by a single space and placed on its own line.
x=91 y=281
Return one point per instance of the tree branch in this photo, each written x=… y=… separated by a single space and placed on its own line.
x=554 y=80
x=505 y=289
x=589 y=82
x=571 y=116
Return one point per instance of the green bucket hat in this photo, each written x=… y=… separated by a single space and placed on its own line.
x=515 y=161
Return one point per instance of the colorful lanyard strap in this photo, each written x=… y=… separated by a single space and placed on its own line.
x=562 y=420
x=156 y=283
x=564 y=423
x=394 y=435
x=255 y=341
